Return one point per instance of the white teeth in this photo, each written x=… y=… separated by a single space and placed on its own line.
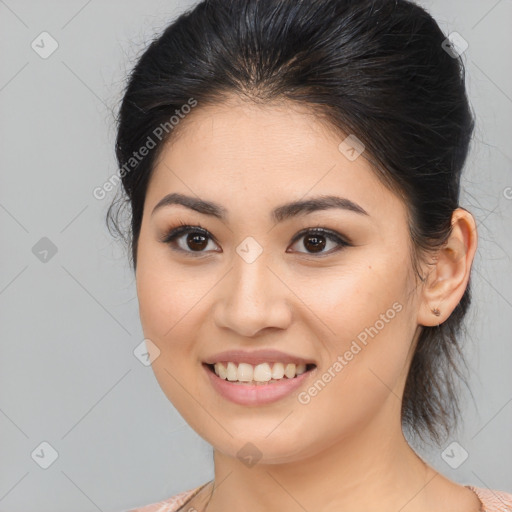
x=231 y=372
x=301 y=368
x=244 y=373
x=278 y=371
x=263 y=372
x=221 y=371
x=289 y=370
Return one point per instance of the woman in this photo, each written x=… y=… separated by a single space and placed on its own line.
x=302 y=262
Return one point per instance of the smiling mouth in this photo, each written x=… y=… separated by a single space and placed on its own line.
x=261 y=374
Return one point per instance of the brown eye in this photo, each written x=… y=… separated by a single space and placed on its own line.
x=196 y=240
x=315 y=241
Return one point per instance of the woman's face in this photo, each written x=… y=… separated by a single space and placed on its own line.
x=253 y=283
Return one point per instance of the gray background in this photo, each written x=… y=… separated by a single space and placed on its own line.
x=69 y=325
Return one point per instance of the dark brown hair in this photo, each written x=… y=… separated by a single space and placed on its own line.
x=377 y=69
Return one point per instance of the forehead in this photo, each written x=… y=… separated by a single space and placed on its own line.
x=272 y=130
x=266 y=153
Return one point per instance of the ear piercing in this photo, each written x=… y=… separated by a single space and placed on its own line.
x=436 y=311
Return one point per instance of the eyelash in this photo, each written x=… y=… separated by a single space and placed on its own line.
x=173 y=233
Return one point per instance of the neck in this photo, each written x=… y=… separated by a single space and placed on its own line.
x=372 y=469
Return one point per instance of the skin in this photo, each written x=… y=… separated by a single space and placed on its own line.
x=345 y=449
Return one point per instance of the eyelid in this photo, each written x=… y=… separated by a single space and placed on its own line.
x=182 y=228
x=329 y=233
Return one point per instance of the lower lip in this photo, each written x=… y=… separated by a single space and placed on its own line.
x=258 y=394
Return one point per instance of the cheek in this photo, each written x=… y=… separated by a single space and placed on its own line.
x=365 y=331
x=165 y=294
x=173 y=305
x=154 y=307
x=166 y=310
x=358 y=381
x=348 y=299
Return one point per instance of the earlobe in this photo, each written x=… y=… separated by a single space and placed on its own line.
x=448 y=278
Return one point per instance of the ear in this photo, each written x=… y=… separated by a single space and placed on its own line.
x=448 y=279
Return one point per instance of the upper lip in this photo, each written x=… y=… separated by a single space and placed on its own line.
x=256 y=357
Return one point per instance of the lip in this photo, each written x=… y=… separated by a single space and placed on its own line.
x=258 y=394
x=256 y=357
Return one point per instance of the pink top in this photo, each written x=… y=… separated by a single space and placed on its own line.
x=492 y=500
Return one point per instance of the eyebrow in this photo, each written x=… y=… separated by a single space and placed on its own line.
x=278 y=214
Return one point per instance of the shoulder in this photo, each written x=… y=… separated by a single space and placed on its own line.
x=493 y=500
x=171 y=504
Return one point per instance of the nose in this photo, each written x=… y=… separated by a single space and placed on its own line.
x=252 y=298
